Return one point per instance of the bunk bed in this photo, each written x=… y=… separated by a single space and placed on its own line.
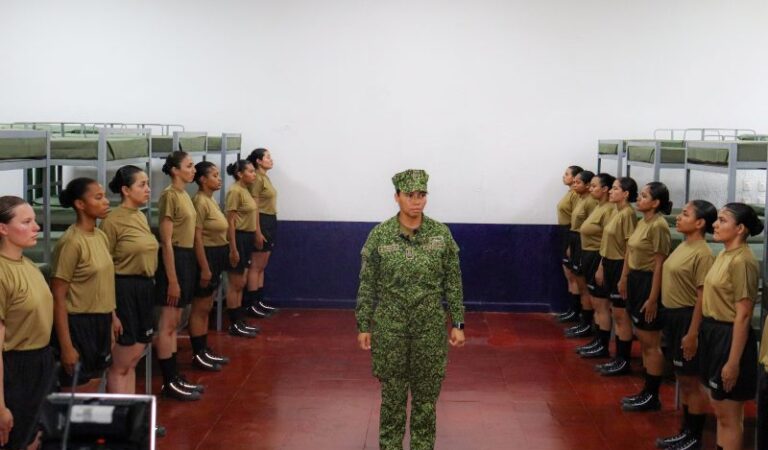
x=194 y=143
x=30 y=149
x=726 y=157
x=657 y=154
x=612 y=149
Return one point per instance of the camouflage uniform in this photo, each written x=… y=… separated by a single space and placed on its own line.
x=403 y=281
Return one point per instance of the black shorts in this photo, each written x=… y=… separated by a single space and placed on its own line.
x=218 y=261
x=564 y=243
x=186 y=273
x=714 y=347
x=91 y=336
x=244 y=240
x=268 y=225
x=677 y=321
x=639 y=283
x=612 y=269
x=28 y=377
x=574 y=246
x=135 y=308
x=590 y=262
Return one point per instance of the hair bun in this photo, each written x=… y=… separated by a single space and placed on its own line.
x=65 y=199
x=232 y=169
x=114 y=185
x=667 y=209
x=756 y=228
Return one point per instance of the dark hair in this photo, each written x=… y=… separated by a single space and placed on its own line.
x=256 y=156
x=124 y=177
x=575 y=170
x=173 y=160
x=202 y=169
x=744 y=214
x=586 y=176
x=702 y=209
x=628 y=184
x=237 y=167
x=606 y=180
x=8 y=203
x=75 y=190
x=660 y=192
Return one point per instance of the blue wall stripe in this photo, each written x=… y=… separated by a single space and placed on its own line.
x=504 y=267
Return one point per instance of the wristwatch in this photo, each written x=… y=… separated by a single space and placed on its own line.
x=459 y=325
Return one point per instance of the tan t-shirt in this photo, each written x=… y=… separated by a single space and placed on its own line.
x=132 y=244
x=683 y=272
x=617 y=232
x=241 y=201
x=264 y=192
x=26 y=305
x=732 y=278
x=584 y=207
x=211 y=220
x=592 y=228
x=565 y=207
x=648 y=239
x=83 y=260
x=177 y=206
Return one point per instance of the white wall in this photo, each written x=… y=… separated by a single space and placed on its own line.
x=493 y=98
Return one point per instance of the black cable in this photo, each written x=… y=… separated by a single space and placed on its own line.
x=71 y=404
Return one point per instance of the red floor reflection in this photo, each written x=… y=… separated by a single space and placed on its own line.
x=517 y=384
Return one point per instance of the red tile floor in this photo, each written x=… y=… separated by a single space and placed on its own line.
x=303 y=384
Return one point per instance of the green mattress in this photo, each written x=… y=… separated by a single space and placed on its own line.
x=164 y=144
x=87 y=147
x=214 y=143
x=56 y=128
x=606 y=148
x=22 y=148
x=672 y=152
x=753 y=137
x=752 y=151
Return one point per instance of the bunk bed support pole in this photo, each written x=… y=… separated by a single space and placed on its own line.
x=47 y=200
x=732 y=162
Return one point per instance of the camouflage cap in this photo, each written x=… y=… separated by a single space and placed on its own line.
x=411 y=180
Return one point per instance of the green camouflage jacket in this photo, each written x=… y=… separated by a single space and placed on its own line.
x=404 y=280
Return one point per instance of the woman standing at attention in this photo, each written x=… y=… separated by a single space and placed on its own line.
x=26 y=320
x=265 y=195
x=177 y=271
x=134 y=252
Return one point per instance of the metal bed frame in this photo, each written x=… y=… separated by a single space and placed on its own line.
x=619 y=157
x=177 y=136
x=224 y=152
x=656 y=165
x=730 y=140
x=23 y=164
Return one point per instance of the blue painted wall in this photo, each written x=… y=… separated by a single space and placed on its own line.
x=504 y=267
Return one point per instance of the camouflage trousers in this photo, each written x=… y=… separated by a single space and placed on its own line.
x=394 y=398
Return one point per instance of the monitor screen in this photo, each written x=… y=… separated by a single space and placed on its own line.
x=99 y=421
